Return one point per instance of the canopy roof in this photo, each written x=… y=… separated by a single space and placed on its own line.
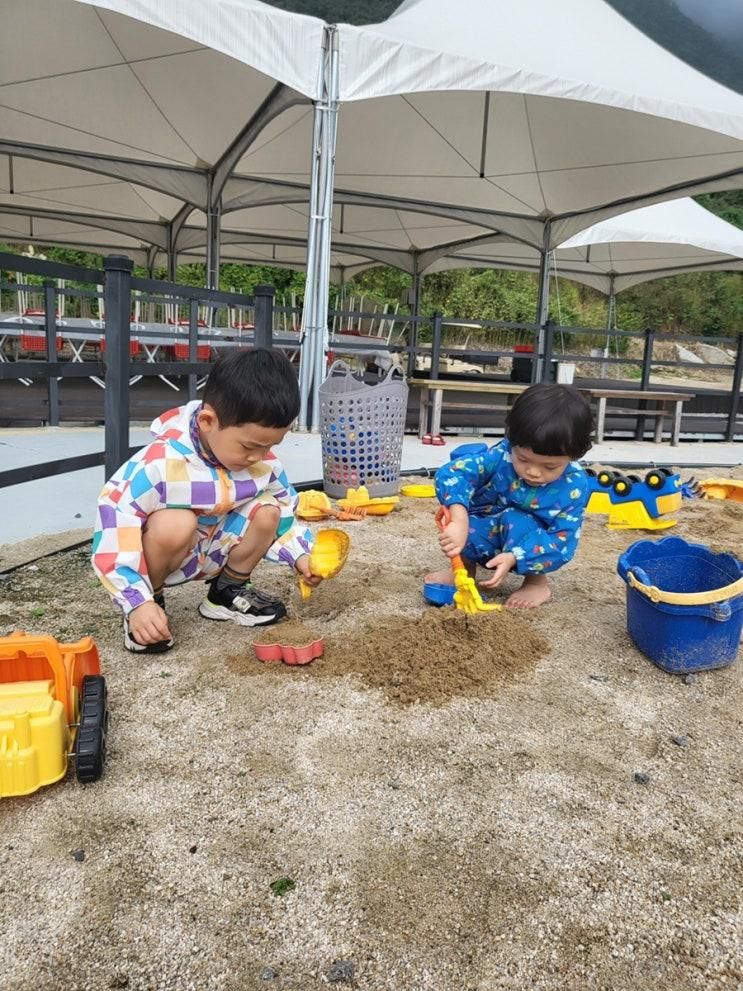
x=645 y=244
x=535 y=109
x=142 y=122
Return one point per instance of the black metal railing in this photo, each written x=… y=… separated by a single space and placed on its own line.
x=115 y=366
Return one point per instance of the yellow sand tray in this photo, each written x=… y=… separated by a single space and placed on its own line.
x=360 y=498
x=328 y=556
x=419 y=491
x=722 y=488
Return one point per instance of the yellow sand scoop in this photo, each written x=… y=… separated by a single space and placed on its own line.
x=327 y=558
x=467 y=597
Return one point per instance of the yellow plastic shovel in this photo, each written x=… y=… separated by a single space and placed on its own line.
x=467 y=597
x=327 y=557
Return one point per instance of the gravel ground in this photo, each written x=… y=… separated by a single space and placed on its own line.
x=568 y=823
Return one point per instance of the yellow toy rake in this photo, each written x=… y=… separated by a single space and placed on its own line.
x=467 y=597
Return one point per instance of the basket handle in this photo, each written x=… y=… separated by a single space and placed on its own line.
x=656 y=594
x=339 y=365
x=391 y=372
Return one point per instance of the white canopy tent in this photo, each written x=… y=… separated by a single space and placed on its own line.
x=170 y=114
x=650 y=243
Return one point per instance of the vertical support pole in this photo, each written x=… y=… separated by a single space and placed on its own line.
x=436 y=345
x=117 y=293
x=263 y=298
x=543 y=305
x=50 y=325
x=330 y=132
x=307 y=333
x=549 y=345
x=414 y=312
x=735 y=395
x=647 y=366
x=610 y=322
x=213 y=231
x=171 y=255
x=193 y=345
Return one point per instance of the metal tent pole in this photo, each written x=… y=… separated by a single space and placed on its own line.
x=610 y=321
x=213 y=230
x=306 y=338
x=328 y=171
x=415 y=309
x=538 y=372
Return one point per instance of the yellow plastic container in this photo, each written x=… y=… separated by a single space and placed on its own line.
x=419 y=491
x=328 y=556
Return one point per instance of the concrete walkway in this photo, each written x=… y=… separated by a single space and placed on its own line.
x=67 y=502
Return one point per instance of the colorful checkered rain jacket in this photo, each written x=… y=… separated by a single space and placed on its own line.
x=173 y=473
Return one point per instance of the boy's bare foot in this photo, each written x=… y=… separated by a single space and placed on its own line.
x=443 y=577
x=534 y=592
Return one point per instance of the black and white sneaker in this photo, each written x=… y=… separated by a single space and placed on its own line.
x=147 y=648
x=242 y=604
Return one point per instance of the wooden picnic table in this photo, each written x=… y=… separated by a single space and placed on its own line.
x=662 y=400
x=432 y=395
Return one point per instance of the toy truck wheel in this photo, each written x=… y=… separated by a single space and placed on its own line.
x=666 y=471
x=590 y=472
x=655 y=479
x=90 y=743
x=605 y=478
x=622 y=485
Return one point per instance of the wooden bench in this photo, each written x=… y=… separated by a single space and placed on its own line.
x=661 y=399
x=432 y=395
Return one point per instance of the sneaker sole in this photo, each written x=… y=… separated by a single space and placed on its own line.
x=224 y=615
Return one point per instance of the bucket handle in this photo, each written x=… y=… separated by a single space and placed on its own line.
x=656 y=594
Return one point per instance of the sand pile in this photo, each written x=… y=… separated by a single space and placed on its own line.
x=443 y=655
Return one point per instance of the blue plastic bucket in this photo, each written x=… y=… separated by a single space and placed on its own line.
x=684 y=603
x=468 y=451
x=438 y=594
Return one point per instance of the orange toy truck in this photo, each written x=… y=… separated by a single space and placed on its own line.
x=53 y=706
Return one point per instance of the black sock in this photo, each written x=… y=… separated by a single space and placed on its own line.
x=230 y=577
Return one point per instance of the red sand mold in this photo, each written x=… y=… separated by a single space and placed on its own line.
x=289 y=653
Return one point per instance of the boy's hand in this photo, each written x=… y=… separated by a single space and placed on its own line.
x=454 y=535
x=149 y=624
x=501 y=564
x=303 y=567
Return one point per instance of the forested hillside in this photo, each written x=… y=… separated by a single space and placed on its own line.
x=711 y=302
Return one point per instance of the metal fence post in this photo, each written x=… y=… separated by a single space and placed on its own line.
x=50 y=325
x=193 y=345
x=735 y=396
x=549 y=344
x=647 y=367
x=263 y=297
x=436 y=345
x=117 y=294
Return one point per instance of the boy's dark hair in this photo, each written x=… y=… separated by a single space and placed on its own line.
x=255 y=386
x=552 y=420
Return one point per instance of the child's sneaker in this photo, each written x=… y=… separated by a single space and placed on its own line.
x=147 y=648
x=242 y=604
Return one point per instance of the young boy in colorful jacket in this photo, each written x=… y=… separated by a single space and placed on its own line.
x=206 y=500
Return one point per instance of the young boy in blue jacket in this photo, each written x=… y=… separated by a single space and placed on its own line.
x=519 y=506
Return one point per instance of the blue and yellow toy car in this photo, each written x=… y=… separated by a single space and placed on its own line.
x=633 y=503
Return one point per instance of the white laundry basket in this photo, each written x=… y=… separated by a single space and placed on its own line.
x=362 y=428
